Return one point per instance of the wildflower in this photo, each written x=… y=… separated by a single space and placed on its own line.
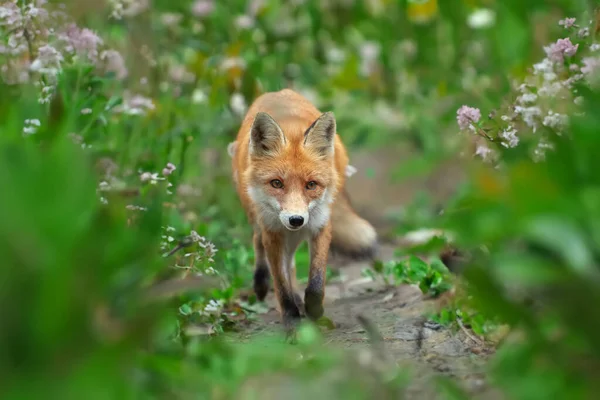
x=350 y=170
x=46 y=94
x=48 y=61
x=213 y=306
x=86 y=111
x=550 y=89
x=546 y=68
x=198 y=96
x=168 y=170
x=510 y=137
x=202 y=8
x=171 y=19
x=238 y=103
x=82 y=42
x=244 y=22
x=104 y=186
x=128 y=8
x=483 y=151
x=178 y=73
x=113 y=62
x=567 y=22
x=150 y=177
x=539 y=153
x=590 y=65
x=255 y=6
x=31 y=126
x=529 y=115
x=561 y=49
x=527 y=98
x=195 y=237
x=369 y=52
x=133 y=207
x=233 y=62
x=210 y=271
x=583 y=32
x=595 y=46
x=467 y=115
x=135 y=105
x=481 y=18
x=555 y=120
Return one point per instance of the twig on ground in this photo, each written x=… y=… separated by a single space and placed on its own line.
x=466 y=331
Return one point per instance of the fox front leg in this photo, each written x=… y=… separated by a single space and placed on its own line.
x=261 y=269
x=275 y=251
x=315 y=291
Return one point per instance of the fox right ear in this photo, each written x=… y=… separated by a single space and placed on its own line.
x=266 y=137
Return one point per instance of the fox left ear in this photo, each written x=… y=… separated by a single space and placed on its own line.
x=320 y=135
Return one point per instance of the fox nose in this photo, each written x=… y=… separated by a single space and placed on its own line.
x=296 y=221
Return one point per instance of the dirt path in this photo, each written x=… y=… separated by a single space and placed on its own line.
x=397 y=313
x=408 y=338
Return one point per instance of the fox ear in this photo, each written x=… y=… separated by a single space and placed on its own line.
x=266 y=137
x=320 y=135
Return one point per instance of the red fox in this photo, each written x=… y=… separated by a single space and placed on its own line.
x=289 y=168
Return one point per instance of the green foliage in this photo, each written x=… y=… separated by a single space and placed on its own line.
x=121 y=280
x=433 y=278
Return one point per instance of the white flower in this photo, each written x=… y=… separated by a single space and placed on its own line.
x=483 y=151
x=481 y=18
x=30 y=126
x=529 y=115
x=198 y=96
x=244 y=22
x=555 y=120
x=510 y=137
x=238 y=104
x=527 y=98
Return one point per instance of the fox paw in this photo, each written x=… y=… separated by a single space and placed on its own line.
x=313 y=304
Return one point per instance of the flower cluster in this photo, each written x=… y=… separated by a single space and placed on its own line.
x=542 y=100
x=39 y=41
x=199 y=261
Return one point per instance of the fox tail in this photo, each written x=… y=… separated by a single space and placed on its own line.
x=352 y=236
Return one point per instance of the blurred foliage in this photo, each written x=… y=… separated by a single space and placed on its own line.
x=87 y=216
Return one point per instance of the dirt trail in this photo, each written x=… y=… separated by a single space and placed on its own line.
x=408 y=338
x=396 y=312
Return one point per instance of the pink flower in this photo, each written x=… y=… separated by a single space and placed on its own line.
x=202 y=8
x=590 y=64
x=48 y=61
x=567 y=22
x=83 y=42
x=466 y=115
x=113 y=62
x=563 y=47
x=168 y=170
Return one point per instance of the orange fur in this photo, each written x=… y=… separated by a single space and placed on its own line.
x=289 y=166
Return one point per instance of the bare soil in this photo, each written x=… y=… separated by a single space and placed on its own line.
x=397 y=313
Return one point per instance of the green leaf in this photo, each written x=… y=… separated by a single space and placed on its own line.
x=561 y=236
x=185 y=309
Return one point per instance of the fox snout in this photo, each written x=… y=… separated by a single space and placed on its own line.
x=293 y=220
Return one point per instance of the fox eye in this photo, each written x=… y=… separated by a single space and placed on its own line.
x=312 y=185
x=276 y=183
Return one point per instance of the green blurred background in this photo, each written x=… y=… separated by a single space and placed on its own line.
x=83 y=232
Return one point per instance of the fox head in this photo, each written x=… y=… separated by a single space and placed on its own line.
x=292 y=177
